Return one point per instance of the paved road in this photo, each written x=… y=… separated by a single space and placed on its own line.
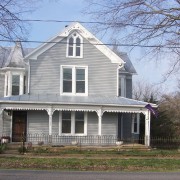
x=69 y=175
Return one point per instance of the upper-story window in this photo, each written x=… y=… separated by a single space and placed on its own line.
x=75 y=46
x=74 y=80
x=15 y=84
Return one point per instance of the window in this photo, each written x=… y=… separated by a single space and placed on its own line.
x=15 y=84
x=74 y=80
x=71 y=43
x=73 y=123
x=135 y=123
x=66 y=122
x=24 y=84
x=79 y=122
x=67 y=80
x=74 y=46
x=80 y=80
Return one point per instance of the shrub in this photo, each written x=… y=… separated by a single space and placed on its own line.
x=22 y=150
x=2 y=148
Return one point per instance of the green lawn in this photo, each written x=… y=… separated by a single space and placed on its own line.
x=152 y=164
x=115 y=152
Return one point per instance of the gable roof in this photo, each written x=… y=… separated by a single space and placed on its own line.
x=128 y=66
x=84 y=33
x=16 y=57
x=8 y=56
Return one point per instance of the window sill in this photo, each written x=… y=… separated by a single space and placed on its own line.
x=76 y=57
x=71 y=94
x=135 y=133
x=71 y=135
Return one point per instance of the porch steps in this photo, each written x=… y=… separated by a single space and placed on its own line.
x=12 y=148
x=11 y=151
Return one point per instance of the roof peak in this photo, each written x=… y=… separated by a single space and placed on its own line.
x=16 y=56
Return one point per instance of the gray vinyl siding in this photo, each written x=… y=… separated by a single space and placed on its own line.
x=45 y=71
x=1 y=85
x=129 y=87
x=38 y=122
x=92 y=124
x=7 y=120
x=109 y=124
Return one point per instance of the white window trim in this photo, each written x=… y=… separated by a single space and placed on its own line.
x=74 y=47
x=72 y=125
x=8 y=82
x=73 y=93
x=138 y=123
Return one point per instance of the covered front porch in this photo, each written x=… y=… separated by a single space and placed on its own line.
x=103 y=114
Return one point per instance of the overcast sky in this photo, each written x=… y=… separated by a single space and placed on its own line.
x=72 y=10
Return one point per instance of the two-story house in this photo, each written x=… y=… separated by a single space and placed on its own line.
x=71 y=88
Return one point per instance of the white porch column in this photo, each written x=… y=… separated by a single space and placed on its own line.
x=50 y=113
x=123 y=86
x=1 y=122
x=6 y=85
x=147 y=127
x=21 y=90
x=9 y=84
x=99 y=113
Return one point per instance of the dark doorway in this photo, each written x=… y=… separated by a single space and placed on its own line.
x=19 y=125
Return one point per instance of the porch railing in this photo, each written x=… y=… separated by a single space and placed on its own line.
x=94 y=140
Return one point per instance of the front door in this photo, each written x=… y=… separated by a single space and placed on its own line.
x=19 y=125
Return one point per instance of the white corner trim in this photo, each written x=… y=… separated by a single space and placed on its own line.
x=28 y=83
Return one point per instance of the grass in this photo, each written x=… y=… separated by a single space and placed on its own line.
x=152 y=164
x=48 y=158
x=89 y=153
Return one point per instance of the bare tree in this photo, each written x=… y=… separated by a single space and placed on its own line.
x=146 y=92
x=11 y=14
x=153 y=24
x=169 y=108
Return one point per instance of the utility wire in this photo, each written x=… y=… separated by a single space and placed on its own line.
x=85 y=22
x=60 y=21
x=97 y=44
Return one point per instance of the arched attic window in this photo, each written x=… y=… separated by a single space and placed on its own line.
x=75 y=46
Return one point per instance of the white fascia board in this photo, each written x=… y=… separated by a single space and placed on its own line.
x=13 y=69
x=42 y=48
x=70 y=103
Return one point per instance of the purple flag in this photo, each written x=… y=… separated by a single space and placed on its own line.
x=152 y=110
